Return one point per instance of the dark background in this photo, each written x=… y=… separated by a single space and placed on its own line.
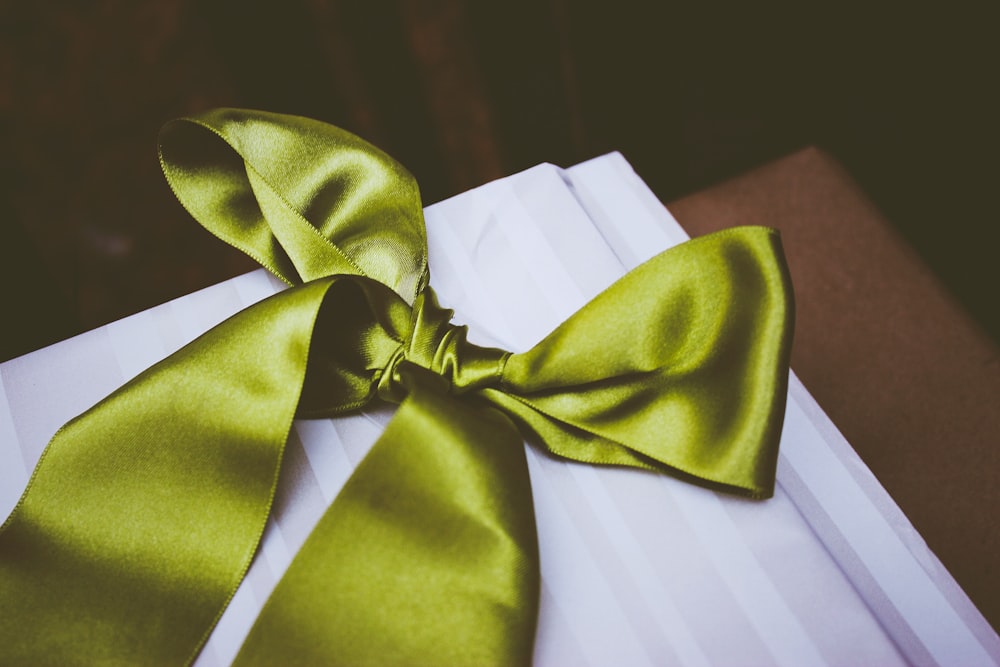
x=462 y=93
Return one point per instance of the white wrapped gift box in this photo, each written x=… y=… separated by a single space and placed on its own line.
x=637 y=568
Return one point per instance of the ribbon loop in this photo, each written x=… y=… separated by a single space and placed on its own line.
x=681 y=366
x=303 y=198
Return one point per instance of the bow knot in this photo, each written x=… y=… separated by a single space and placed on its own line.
x=438 y=346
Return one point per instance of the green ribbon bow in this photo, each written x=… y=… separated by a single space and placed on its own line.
x=144 y=513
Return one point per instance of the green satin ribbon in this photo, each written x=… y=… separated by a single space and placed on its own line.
x=144 y=513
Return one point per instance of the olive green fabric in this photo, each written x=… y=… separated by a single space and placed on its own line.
x=144 y=512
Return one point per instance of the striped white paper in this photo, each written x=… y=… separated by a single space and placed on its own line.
x=637 y=569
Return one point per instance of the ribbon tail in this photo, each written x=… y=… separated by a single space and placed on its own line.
x=144 y=512
x=427 y=556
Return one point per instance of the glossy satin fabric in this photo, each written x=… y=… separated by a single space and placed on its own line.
x=143 y=514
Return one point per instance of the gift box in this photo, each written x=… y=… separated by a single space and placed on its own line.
x=637 y=568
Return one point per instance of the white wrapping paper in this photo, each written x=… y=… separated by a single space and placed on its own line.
x=637 y=568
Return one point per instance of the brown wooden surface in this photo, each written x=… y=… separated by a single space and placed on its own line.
x=898 y=366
